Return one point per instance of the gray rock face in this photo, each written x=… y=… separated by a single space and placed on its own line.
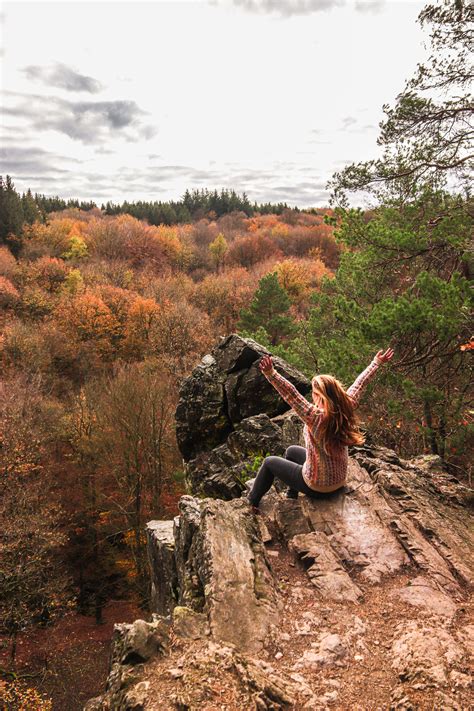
x=202 y=421
x=132 y=645
x=189 y=624
x=323 y=567
x=424 y=651
x=222 y=471
x=228 y=413
x=249 y=393
x=241 y=598
x=425 y=595
x=135 y=643
x=186 y=526
x=221 y=570
x=428 y=516
x=331 y=649
x=160 y=547
x=235 y=353
x=340 y=532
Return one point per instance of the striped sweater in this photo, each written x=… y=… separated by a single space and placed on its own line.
x=320 y=470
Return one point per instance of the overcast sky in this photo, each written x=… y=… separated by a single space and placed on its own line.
x=122 y=100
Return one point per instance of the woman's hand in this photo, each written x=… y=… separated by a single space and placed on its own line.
x=385 y=357
x=266 y=364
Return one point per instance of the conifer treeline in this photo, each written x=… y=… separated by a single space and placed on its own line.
x=194 y=205
x=16 y=209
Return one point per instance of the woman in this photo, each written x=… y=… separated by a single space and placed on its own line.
x=330 y=425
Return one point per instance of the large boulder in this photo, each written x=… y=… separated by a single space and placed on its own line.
x=228 y=413
x=222 y=471
x=202 y=421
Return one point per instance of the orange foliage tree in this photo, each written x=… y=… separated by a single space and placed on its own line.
x=299 y=278
x=88 y=320
x=248 y=250
x=223 y=296
x=56 y=236
x=181 y=334
x=141 y=318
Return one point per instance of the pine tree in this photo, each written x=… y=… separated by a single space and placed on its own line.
x=11 y=215
x=31 y=211
x=269 y=310
x=427 y=134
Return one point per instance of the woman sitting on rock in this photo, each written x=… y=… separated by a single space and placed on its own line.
x=329 y=427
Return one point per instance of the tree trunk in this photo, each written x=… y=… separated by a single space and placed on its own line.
x=429 y=422
x=13 y=648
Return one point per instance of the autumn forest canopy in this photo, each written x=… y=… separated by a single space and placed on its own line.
x=105 y=310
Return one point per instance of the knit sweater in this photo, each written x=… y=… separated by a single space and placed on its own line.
x=321 y=470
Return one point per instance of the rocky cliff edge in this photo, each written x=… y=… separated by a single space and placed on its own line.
x=360 y=600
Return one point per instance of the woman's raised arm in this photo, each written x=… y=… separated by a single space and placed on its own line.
x=304 y=409
x=356 y=389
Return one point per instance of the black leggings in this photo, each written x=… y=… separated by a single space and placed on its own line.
x=288 y=468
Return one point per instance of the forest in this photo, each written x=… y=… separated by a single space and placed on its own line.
x=105 y=310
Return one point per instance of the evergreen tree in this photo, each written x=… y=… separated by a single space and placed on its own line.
x=11 y=215
x=427 y=136
x=31 y=211
x=269 y=311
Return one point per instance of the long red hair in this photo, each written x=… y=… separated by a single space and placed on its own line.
x=339 y=423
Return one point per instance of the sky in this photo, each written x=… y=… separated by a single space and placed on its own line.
x=141 y=101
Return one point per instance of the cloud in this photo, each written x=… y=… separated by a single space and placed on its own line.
x=158 y=174
x=251 y=175
x=38 y=179
x=351 y=125
x=292 y=195
x=14 y=137
x=348 y=121
x=45 y=172
x=18 y=160
x=63 y=77
x=148 y=132
x=87 y=121
x=286 y=8
x=369 y=5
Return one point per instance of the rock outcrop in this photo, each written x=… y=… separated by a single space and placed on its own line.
x=222 y=571
x=359 y=599
x=228 y=414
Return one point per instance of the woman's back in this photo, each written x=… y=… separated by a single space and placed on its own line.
x=329 y=428
x=322 y=471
